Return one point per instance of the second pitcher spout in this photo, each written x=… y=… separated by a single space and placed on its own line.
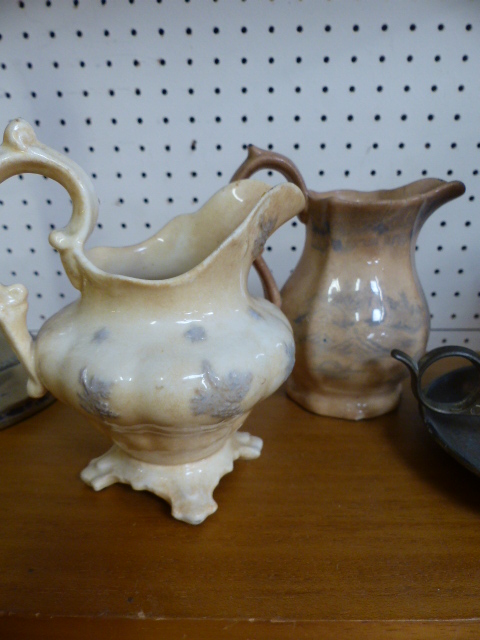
x=433 y=194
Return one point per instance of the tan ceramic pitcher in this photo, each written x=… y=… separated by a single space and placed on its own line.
x=355 y=295
x=164 y=350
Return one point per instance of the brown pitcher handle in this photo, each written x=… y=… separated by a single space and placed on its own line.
x=256 y=160
x=270 y=289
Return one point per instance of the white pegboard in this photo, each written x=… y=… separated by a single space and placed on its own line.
x=158 y=100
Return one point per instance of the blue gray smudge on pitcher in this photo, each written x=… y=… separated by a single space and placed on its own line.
x=355 y=295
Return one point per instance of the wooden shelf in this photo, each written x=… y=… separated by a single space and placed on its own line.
x=339 y=529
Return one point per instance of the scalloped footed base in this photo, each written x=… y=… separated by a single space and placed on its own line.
x=187 y=487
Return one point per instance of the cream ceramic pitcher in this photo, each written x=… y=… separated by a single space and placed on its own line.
x=165 y=350
x=354 y=294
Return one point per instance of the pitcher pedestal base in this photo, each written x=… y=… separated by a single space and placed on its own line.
x=187 y=487
x=345 y=405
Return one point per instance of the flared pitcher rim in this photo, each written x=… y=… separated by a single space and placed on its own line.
x=89 y=266
x=397 y=196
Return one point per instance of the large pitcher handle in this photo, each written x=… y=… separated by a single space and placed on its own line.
x=20 y=153
x=257 y=160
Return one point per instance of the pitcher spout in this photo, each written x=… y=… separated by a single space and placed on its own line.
x=444 y=192
x=437 y=195
x=273 y=209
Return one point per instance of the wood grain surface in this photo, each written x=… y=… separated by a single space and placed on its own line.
x=340 y=529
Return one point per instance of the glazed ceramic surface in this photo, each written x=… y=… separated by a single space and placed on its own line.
x=165 y=350
x=355 y=294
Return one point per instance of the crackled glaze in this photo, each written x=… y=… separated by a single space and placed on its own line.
x=165 y=350
x=355 y=295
